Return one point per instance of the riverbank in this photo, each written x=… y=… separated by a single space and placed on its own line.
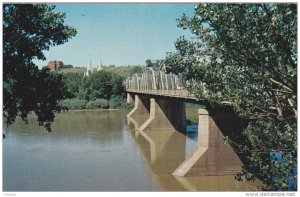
x=191 y=111
x=83 y=110
x=116 y=102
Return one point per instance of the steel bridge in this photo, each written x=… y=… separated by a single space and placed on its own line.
x=159 y=103
x=160 y=83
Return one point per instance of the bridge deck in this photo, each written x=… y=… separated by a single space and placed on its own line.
x=183 y=94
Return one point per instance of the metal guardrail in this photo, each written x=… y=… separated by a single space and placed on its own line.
x=158 y=83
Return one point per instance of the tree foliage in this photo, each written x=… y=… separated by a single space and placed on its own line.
x=245 y=56
x=149 y=63
x=28 y=30
x=136 y=69
x=73 y=104
x=67 y=66
x=100 y=85
x=98 y=104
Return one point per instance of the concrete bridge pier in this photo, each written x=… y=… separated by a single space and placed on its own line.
x=130 y=98
x=165 y=114
x=212 y=156
x=141 y=109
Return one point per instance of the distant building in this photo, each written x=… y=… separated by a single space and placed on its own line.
x=54 y=65
x=89 y=69
x=100 y=66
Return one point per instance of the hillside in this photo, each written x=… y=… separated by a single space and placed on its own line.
x=123 y=71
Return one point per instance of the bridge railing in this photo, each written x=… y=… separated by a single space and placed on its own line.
x=158 y=82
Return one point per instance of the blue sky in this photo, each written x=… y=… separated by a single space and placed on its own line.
x=124 y=34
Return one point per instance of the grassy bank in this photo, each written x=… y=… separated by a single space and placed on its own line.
x=192 y=112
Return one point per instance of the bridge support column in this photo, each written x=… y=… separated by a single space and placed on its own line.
x=130 y=98
x=141 y=109
x=212 y=156
x=165 y=114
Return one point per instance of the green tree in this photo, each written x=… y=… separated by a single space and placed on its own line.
x=98 y=85
x=245 y=56
x=116 y=82
x=73 y=83
x=68 y=66
x=136 y=69
x=28 y=30
x=149 y=63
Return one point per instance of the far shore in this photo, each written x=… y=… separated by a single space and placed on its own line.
x=91 y=110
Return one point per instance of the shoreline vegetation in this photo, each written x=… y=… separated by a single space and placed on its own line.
x=86 y=110
x=104 y=90
x=191 y=110
x=117 y=102
x=100 y=90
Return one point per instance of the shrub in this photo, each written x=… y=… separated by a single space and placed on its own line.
x=97 y=104
x=73 y=104
x=128 y=106
x=117 y=102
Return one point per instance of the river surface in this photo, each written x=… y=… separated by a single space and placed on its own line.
x=100 y=151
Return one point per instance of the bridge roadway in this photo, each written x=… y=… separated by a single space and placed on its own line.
x=181 y=94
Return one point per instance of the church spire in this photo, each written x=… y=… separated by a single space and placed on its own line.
x=90 y=61
x=100 y=63
x=89 y=68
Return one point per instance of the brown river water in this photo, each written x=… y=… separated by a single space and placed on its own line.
x=100 y=151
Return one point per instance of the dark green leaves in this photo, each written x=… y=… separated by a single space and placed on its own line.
x=245 y=55
x=100 y=84
x=28 y=29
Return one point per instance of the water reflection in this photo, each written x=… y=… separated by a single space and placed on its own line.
x=158 y=150
x=86 y=151
x=97 y=151
x=192 y=132
x=81 y=121
x=164 y=151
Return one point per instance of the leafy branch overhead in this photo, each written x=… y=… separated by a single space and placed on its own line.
x=28 y=30
x=245 y=55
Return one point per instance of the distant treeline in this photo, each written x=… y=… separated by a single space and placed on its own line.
x=101 y=90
